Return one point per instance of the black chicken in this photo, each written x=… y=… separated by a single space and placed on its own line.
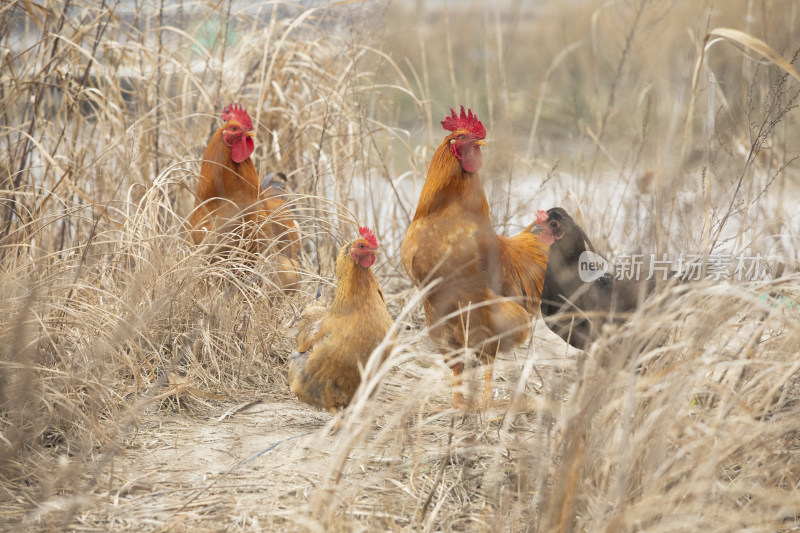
x=575 y=305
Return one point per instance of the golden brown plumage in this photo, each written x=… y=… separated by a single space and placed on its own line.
x=334 y=345
x=228 y=192
x=490 y=283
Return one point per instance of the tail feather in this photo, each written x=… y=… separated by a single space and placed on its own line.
x=524 y=268
x=301 y=383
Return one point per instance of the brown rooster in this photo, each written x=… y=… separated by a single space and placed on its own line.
x=229 y=191
x=334 y=345
x=489 y=284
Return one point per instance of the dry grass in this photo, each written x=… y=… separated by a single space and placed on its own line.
x=119 y=333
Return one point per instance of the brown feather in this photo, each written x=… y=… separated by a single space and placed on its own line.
x=451 y=237
x=228 y=194
x=326 y=371
x=225 y=190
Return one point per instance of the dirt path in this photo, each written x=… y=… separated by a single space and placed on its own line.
x=258 y=467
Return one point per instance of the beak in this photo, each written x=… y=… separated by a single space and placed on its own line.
x=251 y=133
x=481 y=142
x=376 y=251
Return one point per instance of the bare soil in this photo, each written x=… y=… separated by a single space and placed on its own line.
x=257 y=465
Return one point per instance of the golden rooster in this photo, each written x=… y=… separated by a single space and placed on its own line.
x=229 y=192
x=489 y=284
x=334 y=345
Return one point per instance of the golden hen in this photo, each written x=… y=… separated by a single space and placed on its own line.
x=334 y=344
x=489 y=284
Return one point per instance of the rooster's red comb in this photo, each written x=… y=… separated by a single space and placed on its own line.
x=236 y=111
x=367 y=234
x=467 y=121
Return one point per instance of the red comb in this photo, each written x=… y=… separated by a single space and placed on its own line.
x=235 y=111
x=467 y=121
x=367 y=234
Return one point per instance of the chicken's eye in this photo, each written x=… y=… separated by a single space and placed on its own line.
x=361 y=246
x=461 y=137
x=233 y=128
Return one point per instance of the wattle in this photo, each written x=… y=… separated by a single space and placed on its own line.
x=547 y=237
x=471 y=158
x=242 y=148
x=366 y=260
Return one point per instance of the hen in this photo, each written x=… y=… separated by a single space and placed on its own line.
x=489 y=284
x=575 y=305
x=229 y=192
x=334 y=345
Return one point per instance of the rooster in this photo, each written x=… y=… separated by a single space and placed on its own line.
x=228 y=191
x=489 y=284
x=334 y=344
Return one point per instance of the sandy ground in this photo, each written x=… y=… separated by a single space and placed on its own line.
x=257 y=466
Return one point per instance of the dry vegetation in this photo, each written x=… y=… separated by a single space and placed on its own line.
x=120 y=340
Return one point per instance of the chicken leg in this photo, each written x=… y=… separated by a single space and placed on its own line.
x=488 y=371
x=459 y=402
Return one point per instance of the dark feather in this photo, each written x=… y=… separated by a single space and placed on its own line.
x=574 y=309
